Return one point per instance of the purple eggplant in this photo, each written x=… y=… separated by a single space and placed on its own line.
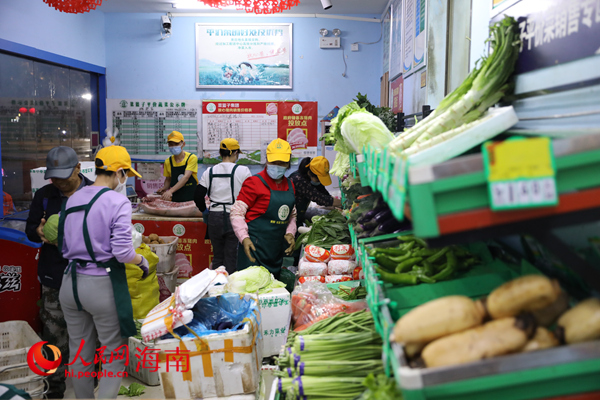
x=370 y=225
x=369 y=215
x=384 y=216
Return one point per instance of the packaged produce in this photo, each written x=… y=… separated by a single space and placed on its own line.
x=251 y=280
x=497 y=337
x=581 y=323
x=340 y=267
x=437 y=318
x=337 y=278
x=526 y=293
x=543 y=339
x=349 y=293
x=307 y=268
x=313 y=302
x=304 y=279
x=316 y=254
x=358 y=274
x=162 y=318
x=342 y=252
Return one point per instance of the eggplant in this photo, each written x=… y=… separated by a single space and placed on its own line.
x=369 y=226
x=369 y=215
x=384 y=216
x=386 y=227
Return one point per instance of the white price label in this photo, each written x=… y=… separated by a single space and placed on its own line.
x=524 y=193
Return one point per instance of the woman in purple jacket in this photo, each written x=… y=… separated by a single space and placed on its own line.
x=95 y=236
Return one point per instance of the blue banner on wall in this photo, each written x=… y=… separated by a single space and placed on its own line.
x=555 y=31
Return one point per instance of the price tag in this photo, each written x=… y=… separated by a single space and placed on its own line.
x=520 y=173
x=397 y=188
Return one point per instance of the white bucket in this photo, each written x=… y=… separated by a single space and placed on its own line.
x=170 y=278
x=166 y=253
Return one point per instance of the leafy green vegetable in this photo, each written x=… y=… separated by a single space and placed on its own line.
x=385 y=114
x=362 y=128
x=51 y=228
x=251 y=280
x=326 y=230
x=134 y=390
x=349 y=293
x=380 y=388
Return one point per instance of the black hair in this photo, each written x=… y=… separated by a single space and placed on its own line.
x=304 y=169
x=100 y=171
x=227 y=153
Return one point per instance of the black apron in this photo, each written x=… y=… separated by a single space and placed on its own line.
x=115 y=269
x=267 y=231
x=226 y=222
x=186 y=193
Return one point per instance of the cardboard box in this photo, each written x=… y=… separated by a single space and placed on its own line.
x=191 y=233
x=213 y=371
x=88 y=169
x=275 y=314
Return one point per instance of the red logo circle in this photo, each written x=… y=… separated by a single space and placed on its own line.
x=35 y=357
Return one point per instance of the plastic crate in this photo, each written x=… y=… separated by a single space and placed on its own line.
x=16 y=337
x=145 y=375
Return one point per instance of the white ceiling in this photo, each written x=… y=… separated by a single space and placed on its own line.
x=340 y=7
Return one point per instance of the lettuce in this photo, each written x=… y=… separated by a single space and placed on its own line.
x=251 y=280
x=361 y=128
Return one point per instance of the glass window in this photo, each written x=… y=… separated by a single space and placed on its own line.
x=41 y=106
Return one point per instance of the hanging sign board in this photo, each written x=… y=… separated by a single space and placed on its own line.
x=298 y=125
x=555 y=33
x=521 y=173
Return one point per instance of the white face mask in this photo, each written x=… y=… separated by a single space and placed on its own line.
x=121 y=186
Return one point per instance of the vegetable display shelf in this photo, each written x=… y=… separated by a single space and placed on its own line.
x=542 y=374
x=358 y=164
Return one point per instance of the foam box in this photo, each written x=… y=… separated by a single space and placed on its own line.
x=275 y=314
x=88 y=169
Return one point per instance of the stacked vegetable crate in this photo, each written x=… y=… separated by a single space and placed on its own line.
x=557 y=371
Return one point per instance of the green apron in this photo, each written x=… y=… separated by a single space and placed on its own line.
x=226 y=222
x=186 y=193
x=267 y=231
x=115 y=269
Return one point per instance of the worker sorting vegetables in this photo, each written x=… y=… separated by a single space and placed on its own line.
x=264 y=215
x=309 y=182
x=180 y=171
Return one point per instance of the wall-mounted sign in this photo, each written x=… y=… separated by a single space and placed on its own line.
x=243 y=55
x=397 y=95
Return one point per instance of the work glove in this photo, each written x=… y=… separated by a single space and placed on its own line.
x=248 y=245
x=292 y=242
x=144 y=266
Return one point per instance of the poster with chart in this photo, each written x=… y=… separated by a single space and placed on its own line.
x=396 y=40
x=420 y=42
x=144 y=125
x=408 y=16
x=252 y=123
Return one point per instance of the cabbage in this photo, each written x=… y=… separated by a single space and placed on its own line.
x=51 y=229
x=336 y=125
x=251 y=280
x=361 y=128
x=341 y=164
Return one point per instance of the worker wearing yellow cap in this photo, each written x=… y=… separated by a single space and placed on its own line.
x=222 y=184
x=180 y=171
x=264 y=215
x=310 y=181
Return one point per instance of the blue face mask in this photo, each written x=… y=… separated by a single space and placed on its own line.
x=175 y=150
x=275 y=171
x=317 y=183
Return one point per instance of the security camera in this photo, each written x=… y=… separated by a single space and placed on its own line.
x=326 y=4
x=166 y=23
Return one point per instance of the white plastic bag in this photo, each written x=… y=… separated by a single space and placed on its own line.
x=136 y=237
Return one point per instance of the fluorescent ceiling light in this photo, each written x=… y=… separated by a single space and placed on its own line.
x=198 y=5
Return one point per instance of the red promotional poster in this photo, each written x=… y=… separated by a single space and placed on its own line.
x=397 y=97
x=298 y=124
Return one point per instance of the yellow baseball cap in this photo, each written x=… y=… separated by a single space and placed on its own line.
x=175 y=137
x=279 y=150
x=114 y=158
x=320 y=167
x=230 y=144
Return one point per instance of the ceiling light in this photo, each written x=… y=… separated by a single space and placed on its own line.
x=326 y=4
x=86 y=96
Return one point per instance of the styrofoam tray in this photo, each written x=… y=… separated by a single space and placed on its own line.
x=496 y=121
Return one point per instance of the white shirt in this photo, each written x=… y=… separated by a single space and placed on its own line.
x=220 y=189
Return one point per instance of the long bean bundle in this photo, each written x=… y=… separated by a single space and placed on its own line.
x=484 y=87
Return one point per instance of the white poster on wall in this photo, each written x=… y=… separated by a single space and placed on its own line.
x=387 y=20
x=409 y=36
x=420 y=34
x=396 y=40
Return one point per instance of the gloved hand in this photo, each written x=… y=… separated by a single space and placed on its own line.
x=292 y=241
x=144 y=266
x=248 y=245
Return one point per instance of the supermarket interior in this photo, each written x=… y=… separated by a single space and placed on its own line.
x=343 y=199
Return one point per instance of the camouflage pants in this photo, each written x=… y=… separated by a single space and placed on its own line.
x=55 y=332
